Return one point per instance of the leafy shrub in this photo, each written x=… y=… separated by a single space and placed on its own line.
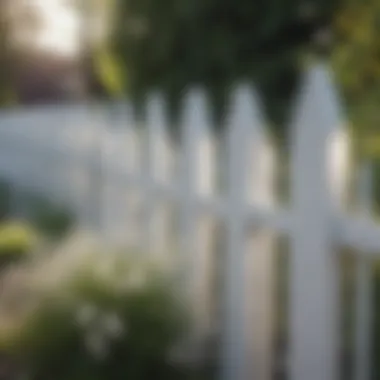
x=94 y=316
x=16 y=241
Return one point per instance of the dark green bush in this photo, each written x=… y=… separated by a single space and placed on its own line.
x=51 y=219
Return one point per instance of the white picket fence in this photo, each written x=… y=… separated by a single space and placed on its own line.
x=54 y=150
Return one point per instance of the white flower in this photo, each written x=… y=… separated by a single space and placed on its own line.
x=86 y=315
x=113 y=325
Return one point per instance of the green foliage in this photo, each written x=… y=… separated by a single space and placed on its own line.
x=16 y=241
x=356 y=59
x=108 y=70
x=51 y=219
x=102 y=317
x=172 y=44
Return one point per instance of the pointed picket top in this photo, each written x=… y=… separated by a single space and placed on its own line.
x=129 y=117
x=245 y=111
x=319 y=124
x=156 y=110
x=318 y=102
x=115 y=131
x=197 y=141
x=131 y=136
x=196 y=112
x=158 y=144
x=246 y=141
x=249 y=178
x=245 y=121
x=319 y=177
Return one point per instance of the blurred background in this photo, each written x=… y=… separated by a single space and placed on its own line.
x=66 y=312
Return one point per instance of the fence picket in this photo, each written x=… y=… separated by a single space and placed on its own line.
x=133 y=168
x=114 y=191
x=156 y=161
x=260 y=259
x=234 y=343
x=196 y=180
x=313 y=292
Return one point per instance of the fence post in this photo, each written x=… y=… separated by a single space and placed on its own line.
x=318 y=182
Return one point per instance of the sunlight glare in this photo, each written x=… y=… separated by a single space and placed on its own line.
x=60 y=27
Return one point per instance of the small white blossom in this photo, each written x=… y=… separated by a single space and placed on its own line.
x=86 y=314
x=113 y=325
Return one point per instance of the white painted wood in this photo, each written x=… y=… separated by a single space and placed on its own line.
x=133 y=167
x=363 y=324
x=96 y=170
x=260 y=255
x=78 y=186
x=364 y=291
x=156 y=169
x=197 y=179
x=113 y=194
x=115 y=155
x=133 y=144
x=362 y=234
x=234 y=347
x=203 y=265
x=163 y=164
x=313 y=289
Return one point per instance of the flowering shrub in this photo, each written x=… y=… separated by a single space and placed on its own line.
x=93 y=315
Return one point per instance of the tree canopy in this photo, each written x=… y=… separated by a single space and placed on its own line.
x=174 y=44
x=356 y=60
x=171 y=44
